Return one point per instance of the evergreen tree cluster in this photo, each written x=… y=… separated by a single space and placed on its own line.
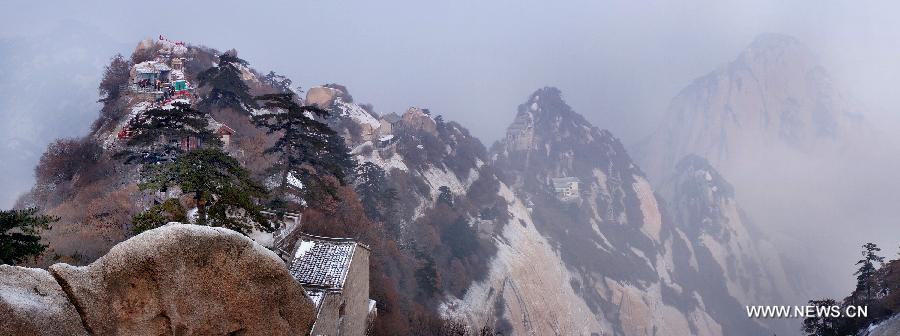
x=308 y=150
x=20 y=234
x=222 y=190
x=378 y=198
x=226 y=88
x=155 y=134
x=877 y=288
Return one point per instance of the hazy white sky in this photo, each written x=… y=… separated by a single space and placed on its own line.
x=617 y=62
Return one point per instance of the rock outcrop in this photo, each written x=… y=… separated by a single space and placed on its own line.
x=177 y=279
x=33 y=303
x=733 y=257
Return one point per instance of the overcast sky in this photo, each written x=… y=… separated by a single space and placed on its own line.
x=617 y=62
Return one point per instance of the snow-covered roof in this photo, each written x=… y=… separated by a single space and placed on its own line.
x=371 y=305
x=322 y=262
x=151 y=67
x=388 y=137
x=563 y=182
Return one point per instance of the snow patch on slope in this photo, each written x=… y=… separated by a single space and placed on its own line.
x=355 y=112
x=395 y=161
x=649 y=207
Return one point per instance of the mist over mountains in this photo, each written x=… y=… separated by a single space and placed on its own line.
x=742 y=186
x=49 y=91
x=795 y=144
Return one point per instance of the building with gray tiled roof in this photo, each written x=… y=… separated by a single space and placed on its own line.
x=335 y=274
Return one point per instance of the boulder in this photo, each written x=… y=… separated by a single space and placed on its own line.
x=188 y=280
x=33 y=303
x=416 y=118
x=321 y=96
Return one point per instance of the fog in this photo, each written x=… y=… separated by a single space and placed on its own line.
x=617 y=62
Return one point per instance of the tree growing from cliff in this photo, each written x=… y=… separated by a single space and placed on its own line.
x=20 y=234
x=280 y=83
x=865 y=275
x=158 y=215
x=226 y=88
x=115 y=77
x=445 y=195
x=223 y=191
x=377 y=198
x=155 y=134
x=823 y=325
x=307 y=149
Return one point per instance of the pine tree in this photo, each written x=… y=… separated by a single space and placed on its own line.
x=445 y=195
x=158 y=215
x=155 y=134
x=226 y=88
x=823 y=325
x=307 y=149
x=377 y=198
x=223 y=191
x=280 y=83
x=427 y=276
x=20 y=234
x=865 y=275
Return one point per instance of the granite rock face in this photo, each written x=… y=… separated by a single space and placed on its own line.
x=177 y=279
x=32 y=303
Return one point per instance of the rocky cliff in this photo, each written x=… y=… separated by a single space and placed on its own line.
x=584 y=224
x=621 y=253
x=733 y=257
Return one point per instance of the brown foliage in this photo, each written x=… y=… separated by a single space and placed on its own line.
x=67 y=165
x=115 y=77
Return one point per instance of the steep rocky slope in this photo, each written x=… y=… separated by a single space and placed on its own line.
x=614 y=260
x=733 y=257
x=624 y=256
x=419 y=152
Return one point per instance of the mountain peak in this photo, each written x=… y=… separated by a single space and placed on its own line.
x=774 y=41
x=776 y=50
x=547 y=102
x=546 y=93
x=774 y=95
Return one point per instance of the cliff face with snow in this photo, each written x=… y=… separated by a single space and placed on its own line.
x=734 y=259
x=613 y=260
x=418 y=152
x=615 y=246
x=774 y=96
